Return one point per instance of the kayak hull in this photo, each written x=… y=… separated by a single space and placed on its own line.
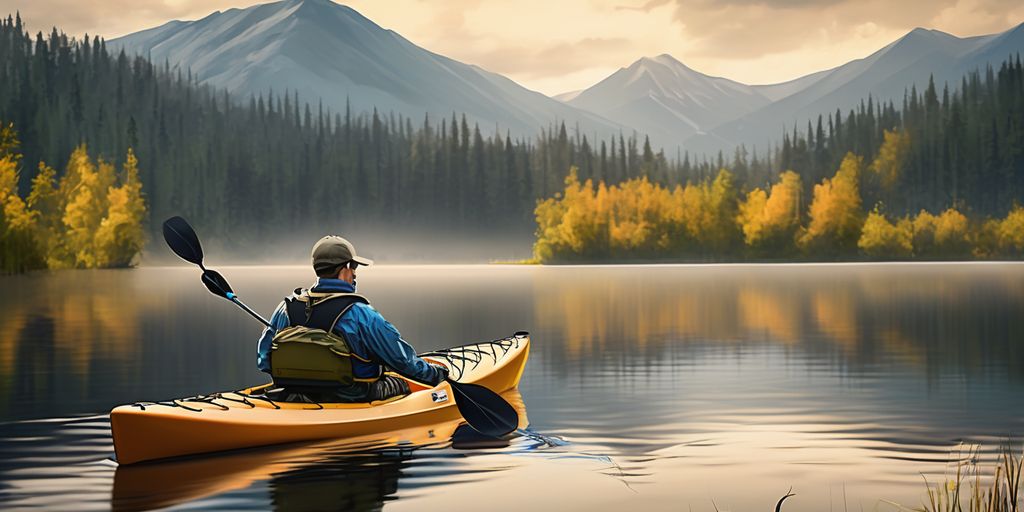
x=241 y=419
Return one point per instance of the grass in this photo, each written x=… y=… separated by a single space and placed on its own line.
x=1002 y=494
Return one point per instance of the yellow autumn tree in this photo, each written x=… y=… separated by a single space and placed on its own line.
x=1011 y=232
x=120 y=236
x=892 y=156
x=835 y=213
x=941 y=237
x=18 y=249
x=770 y=221
x=985 y=239
x=881 y=239
x=566 y=224
x=45 y=200
x=83 y=192
x=706 y=214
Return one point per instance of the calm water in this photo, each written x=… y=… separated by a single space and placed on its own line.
x=671 y=387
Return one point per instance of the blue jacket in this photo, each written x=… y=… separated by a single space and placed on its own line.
x=368 y=334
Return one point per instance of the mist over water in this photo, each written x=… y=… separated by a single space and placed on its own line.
x=672 y=386
x=384 y=243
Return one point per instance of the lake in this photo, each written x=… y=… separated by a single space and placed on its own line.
x=661 y=387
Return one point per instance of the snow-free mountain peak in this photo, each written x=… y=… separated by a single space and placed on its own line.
x=667 y=99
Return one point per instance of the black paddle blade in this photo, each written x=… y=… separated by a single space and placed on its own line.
x=484 y=410
x=216 y=283
x=182 y=239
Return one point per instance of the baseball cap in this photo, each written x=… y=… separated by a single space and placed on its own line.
x=332 y=251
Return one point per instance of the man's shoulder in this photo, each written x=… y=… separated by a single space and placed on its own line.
x=363 y=308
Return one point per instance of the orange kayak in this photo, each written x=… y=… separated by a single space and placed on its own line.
x=241 y=419
x=183 y=480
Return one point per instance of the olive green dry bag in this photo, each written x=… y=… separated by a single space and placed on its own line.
x=301 y=353
x=309 y=352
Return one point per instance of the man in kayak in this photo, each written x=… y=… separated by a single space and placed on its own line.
x=372 y=341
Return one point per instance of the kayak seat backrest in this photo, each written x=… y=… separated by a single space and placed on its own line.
x=310 y=352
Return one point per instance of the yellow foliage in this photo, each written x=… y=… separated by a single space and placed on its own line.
x=835 y=213
x=18 y=249
x=945 y=236
x=882 y=239
x=891 y=156
x=635 y=219
x=16 y=214
x=44 y=199
x=985 y=239
x=84 y=188
x=751 y=216
x=770 y=221
x=1011 y=232
x=120 y=235
x=9 y=143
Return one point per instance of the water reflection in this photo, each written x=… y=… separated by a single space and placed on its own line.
x=941 y=318
x=672 y=384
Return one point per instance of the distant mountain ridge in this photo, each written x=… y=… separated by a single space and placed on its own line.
x=328 y=51
x=884 y=75
x=688 y=109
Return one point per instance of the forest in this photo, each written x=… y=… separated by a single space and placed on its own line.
x=250 y=169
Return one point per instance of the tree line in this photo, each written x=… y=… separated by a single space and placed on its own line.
x=254 y=168
x=711 y=220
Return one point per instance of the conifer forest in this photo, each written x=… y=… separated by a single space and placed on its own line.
x=251 y=168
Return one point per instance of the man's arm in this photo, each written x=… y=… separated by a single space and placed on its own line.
x=382 y=339
x=277 y=322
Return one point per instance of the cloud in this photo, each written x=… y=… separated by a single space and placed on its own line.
x=554 y=59
x=748 y=29
x=645 y=7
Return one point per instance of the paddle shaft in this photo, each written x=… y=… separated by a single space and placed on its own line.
x=238 y=302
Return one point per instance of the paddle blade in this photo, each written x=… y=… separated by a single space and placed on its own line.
x=484 y=410
x=216 y=283
x=182 y=239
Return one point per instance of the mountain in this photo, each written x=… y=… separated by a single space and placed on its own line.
x=328 y=51
x=682 y=107
x=669 y=101
x=884 y=75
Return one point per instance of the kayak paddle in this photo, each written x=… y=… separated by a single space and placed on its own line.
x=182 y=239
x=484 y=410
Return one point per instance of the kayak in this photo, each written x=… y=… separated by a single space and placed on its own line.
x=183 y=480
x=247 y=418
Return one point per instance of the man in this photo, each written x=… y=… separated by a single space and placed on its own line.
x=374 y=343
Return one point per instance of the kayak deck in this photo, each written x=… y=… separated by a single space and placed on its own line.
x=240 y=419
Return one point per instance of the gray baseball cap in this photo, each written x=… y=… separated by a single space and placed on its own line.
x=333 y=251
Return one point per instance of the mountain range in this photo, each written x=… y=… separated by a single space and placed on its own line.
x=330 y=52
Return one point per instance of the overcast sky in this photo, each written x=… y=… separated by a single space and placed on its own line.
x=555 y=46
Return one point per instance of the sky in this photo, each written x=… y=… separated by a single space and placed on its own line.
x=565 y=45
